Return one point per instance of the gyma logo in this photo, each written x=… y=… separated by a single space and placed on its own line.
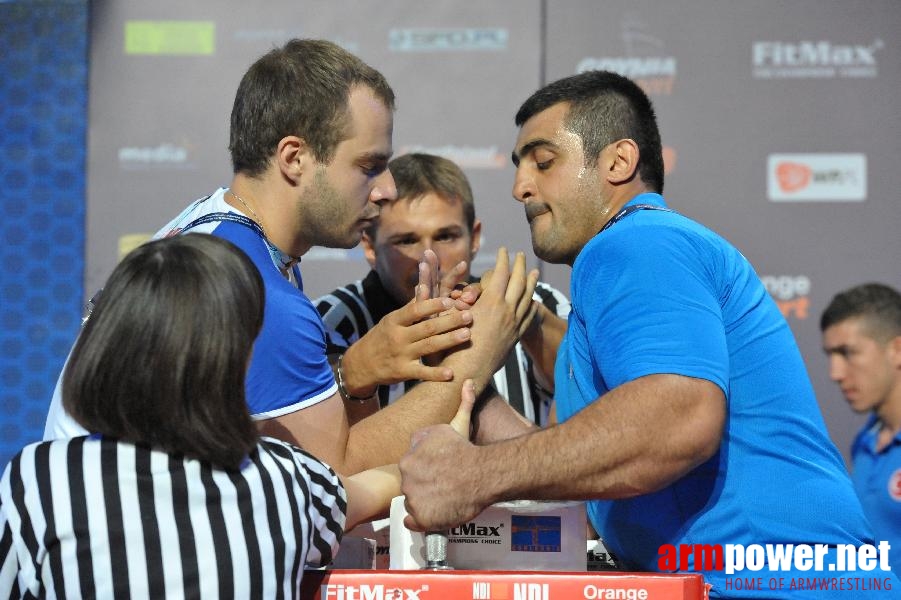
x=644 y=59
x=817 y=177
x=447 y=39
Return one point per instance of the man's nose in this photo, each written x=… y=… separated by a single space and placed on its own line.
x=384 y=190
x=523 y=186
x=836 y=368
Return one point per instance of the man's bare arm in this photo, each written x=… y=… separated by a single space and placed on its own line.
x=634 y=440
x=495 y=420
x=498 y=317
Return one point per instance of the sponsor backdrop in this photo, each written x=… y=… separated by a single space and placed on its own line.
x=777 y=122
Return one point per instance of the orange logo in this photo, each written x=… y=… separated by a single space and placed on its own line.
x=793 y=176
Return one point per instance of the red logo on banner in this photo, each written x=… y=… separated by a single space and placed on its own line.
x=894 y=485
x=793 y=176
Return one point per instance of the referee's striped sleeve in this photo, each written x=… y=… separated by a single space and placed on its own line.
x=9 y=558
x=346 y=316
x=555 y=300
x=325 y=505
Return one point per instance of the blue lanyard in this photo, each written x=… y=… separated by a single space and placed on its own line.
x=283 y=260
x=628 y=210
x=278 y=257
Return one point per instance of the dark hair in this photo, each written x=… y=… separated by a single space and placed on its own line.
x=162 y=359
x=604 y=107
x=417 y=174
x=879 y=305
x=299 y=89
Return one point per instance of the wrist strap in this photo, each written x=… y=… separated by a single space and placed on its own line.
x=348 y=397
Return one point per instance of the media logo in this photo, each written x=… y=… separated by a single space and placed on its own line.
x=645 y=60
x=467 y=157
x=446 y=39
x=791 y=293
x=814 y=60
x=535 y=533
x=163 y=156
x=817 y=177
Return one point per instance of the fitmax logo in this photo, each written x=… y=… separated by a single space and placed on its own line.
x=471 y=529
x=814 y=54
x=369 y=592
x=812 y=60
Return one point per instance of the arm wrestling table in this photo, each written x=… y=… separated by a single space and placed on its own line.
x=342 y=584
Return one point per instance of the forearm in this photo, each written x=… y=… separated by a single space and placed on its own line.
x=495 y=420
x=369 y=494
x=612 y=449
x=384 y=436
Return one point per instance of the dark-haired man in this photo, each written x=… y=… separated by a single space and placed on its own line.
x=686 y=415
x=862 y=338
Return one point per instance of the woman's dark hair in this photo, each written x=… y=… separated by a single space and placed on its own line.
x=162 y=359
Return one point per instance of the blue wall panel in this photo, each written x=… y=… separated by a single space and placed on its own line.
x=43 y=100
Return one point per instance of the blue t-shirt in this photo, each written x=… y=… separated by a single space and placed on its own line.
x=659 y=293
x=877 y=479
x=289 y=369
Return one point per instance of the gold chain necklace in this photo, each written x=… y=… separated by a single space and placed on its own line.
x=286 y=261
x=250 y=210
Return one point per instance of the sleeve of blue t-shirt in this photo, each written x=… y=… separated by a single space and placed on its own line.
x=653 y=304
x=288 y=368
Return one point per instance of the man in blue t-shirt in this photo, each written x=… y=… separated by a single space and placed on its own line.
x=862 y=338
x=310 y=141
x=687 y=417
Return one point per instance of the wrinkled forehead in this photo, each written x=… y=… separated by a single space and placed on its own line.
x=416 y=211
x=546 y=128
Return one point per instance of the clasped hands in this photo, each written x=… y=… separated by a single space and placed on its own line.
x=445 y=316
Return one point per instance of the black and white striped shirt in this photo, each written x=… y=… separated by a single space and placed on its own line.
x=352 y=310
x=88 y=517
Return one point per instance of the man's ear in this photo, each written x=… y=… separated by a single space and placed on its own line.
x=476 y=241
x=895 y=351
x=620 y=161
x=368 y=249
x=294 y=157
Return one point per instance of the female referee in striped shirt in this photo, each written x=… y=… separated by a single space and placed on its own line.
x=174 y=494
